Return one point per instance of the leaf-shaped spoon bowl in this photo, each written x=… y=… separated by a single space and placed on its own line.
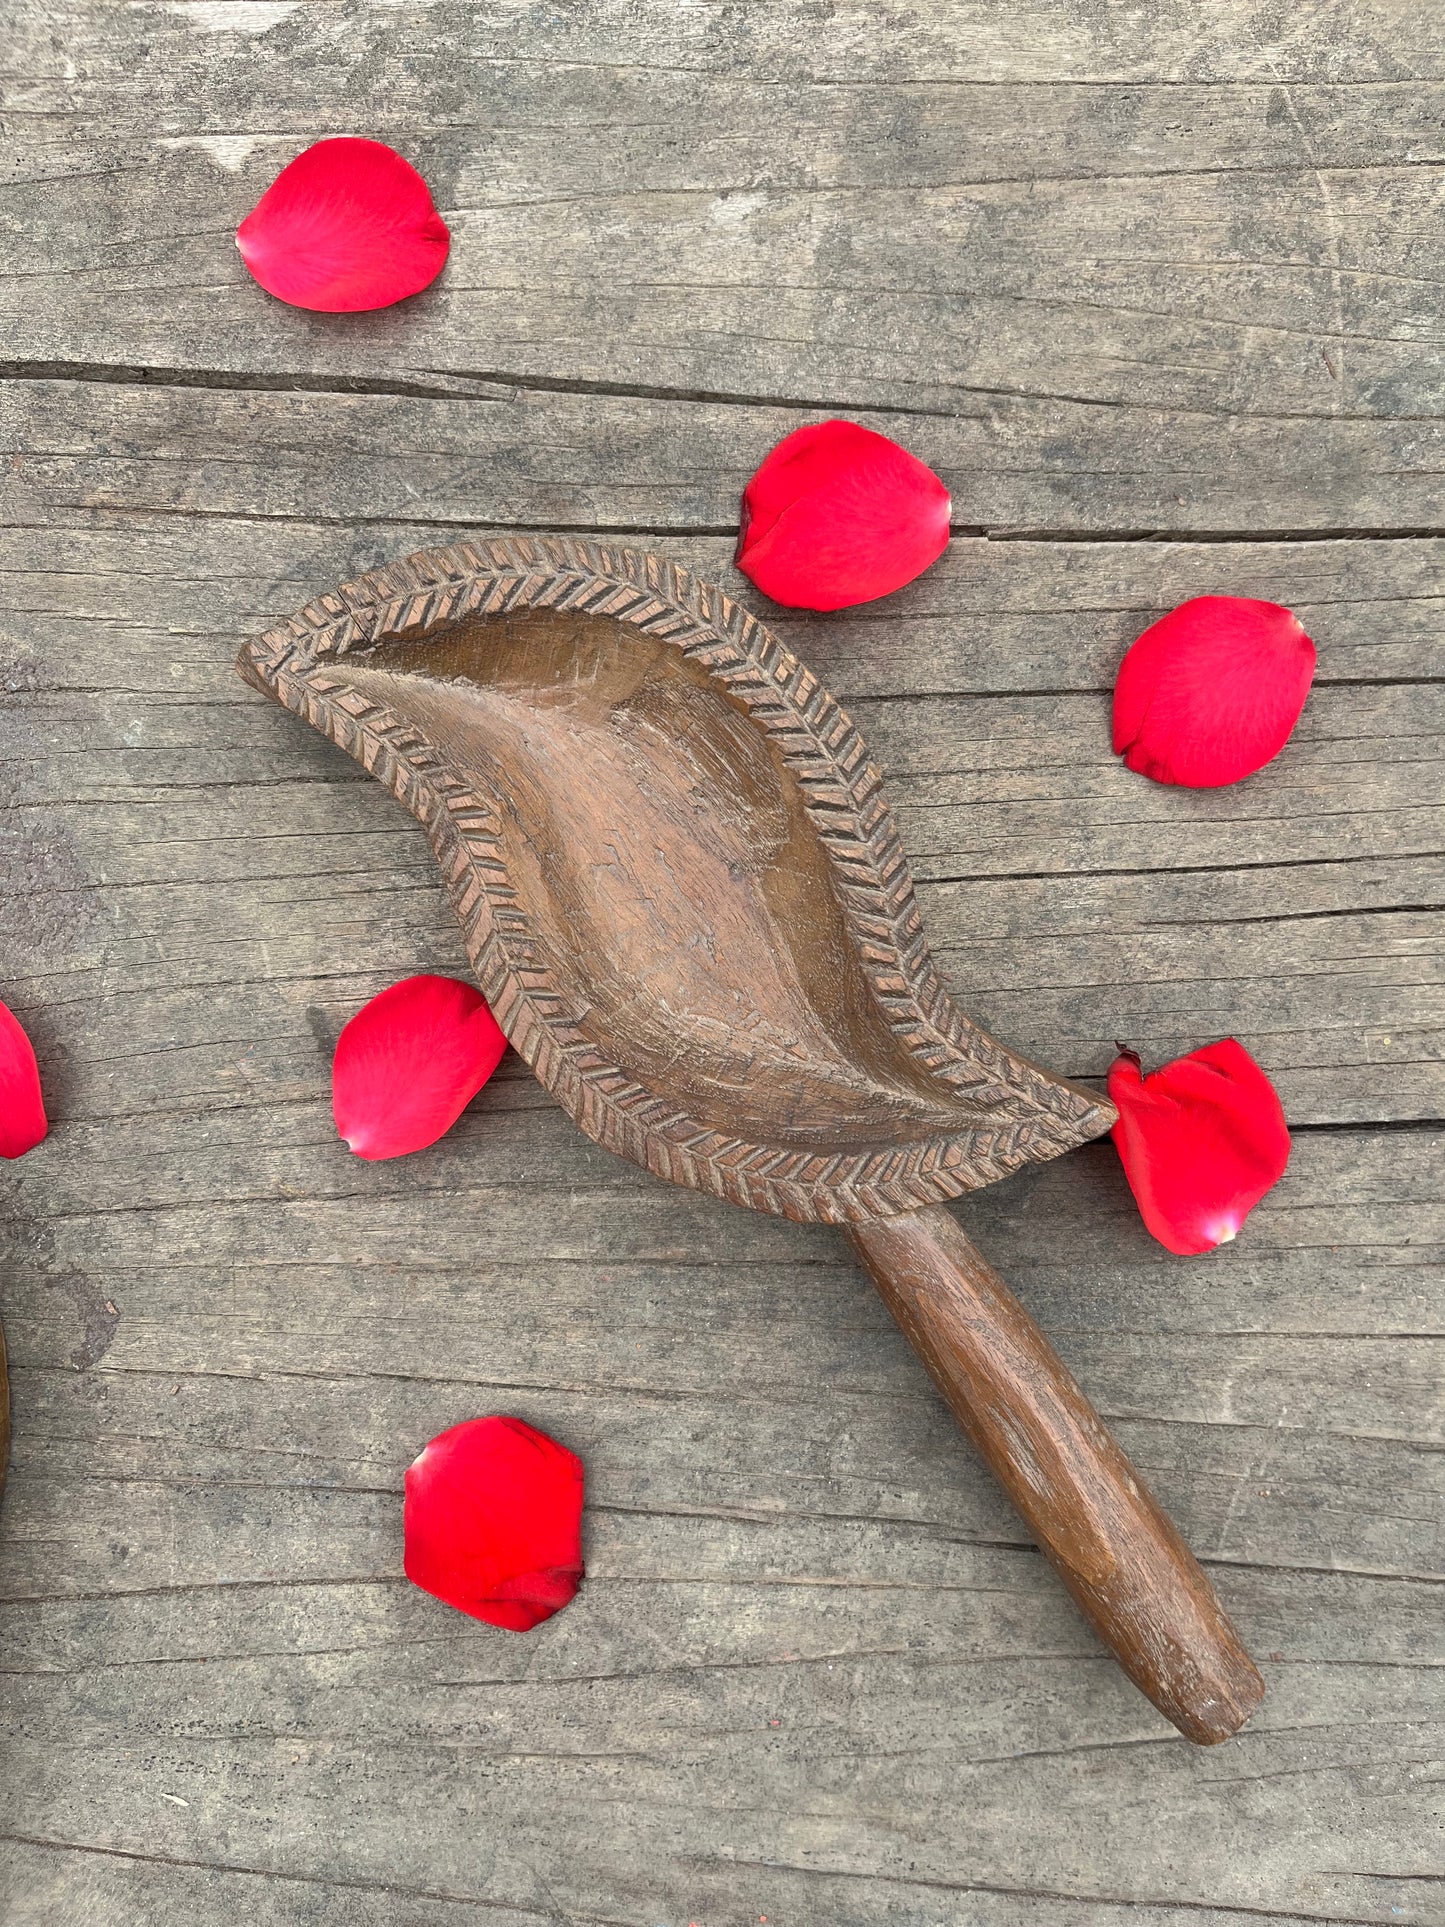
x=686 y=901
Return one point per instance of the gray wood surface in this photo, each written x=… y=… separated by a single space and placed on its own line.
x=1158 y=293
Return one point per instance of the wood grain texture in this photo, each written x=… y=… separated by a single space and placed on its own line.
x=228 y=1339
x=1187 y=289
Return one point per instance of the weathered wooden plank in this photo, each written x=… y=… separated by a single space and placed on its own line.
x=50 y=1886
x=530 y=459
x=1280 y=1394
x=1102 y=415
x=523 y=457
x=163 y=576
x=597 y=1838
x=588 y=1796
x=995 y=786
x=408 y=45
x=1130 y=327
x=96 y=1513
x=1139 y=292
x=1345 y=1008
x=943 y=1593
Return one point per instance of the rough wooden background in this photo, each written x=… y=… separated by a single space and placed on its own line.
x=1157 y=289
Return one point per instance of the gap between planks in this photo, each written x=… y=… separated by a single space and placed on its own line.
x=976 y=531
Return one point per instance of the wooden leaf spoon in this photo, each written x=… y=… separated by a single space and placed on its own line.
x=686 y=901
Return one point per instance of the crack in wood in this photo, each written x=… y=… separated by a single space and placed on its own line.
x=1291 y=1916
x=342 y=1882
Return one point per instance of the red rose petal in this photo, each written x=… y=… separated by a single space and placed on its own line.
x=494 y=1522
x=1202 y=1140
x=348 y=225
x=22 y=1109
x=838 y=515
x=409 y=1063
x=1211 y=692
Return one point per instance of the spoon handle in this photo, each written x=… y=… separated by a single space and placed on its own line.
x=1132 y=1575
